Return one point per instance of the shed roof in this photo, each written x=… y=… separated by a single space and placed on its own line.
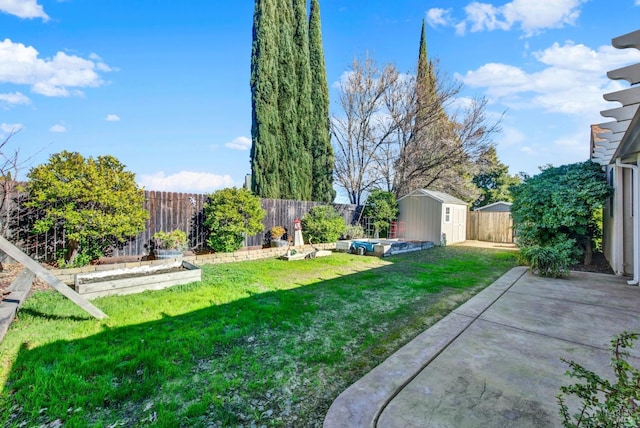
x=493 y=205
x=442 y=197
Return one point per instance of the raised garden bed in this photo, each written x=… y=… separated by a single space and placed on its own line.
x=381 y=247
x=136 y=280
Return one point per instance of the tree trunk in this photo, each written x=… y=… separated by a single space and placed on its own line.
x=588 y=253
x=72 y=251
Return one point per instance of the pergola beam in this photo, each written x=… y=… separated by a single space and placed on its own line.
x=621 y=113
x=630 y=73
x=615 y=127
x=629 y=40
x=625 y=97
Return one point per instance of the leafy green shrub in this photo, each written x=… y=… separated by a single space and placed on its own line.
x=176 y=239
x=322 y=224
x=552 y=260
x=561 y=202
x=229 y=214
x=621 y=404
x=354 y=231
x=93 y=202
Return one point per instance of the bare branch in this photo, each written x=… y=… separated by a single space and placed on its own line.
x=396 y=134
x=9 y=166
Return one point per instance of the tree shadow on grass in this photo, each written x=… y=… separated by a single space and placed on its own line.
x=264 y=341
x=39 y=314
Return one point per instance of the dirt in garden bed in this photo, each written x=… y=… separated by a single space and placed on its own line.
x=91 y=280
x=599 y=264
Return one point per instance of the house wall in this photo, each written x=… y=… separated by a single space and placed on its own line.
x=627 y=221
x=617 y=241
x=609 y=221
x=421 y=218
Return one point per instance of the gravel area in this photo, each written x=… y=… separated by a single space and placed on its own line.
x=9 y=271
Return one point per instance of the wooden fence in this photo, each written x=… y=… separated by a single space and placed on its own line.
x=168 y=211
x=490 y=226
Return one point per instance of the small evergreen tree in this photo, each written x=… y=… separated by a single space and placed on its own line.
x=94 y=202
x=321 y=148
x=322 y=224
x=493 y=179
x=229 y=214
x=382 y=208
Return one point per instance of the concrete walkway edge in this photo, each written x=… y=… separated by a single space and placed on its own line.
x=361 y=404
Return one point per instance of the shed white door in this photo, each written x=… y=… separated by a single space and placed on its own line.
x=459 y=224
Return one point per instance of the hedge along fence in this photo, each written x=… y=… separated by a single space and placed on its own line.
x=167 y=211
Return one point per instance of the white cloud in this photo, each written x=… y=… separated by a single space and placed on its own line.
x=58 y=128
x=529 y=150
x=59 y=76
x=440 y=17
x=571 y=141
x=459 y=104
x=185 y=181
x=240 y=143
x=113 y=118
x=531 y=16
x=9 y=128
x=15 y=98
x=23 y=9
x=572 y=81
x=343 y=81
x=483 y=16
x=510 y=137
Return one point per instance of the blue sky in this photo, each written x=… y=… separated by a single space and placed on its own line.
x=164 y=85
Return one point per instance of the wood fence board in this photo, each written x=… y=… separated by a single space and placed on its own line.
x=168 y=211
x=490 y=226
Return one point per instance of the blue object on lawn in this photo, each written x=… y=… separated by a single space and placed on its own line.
x=368 y=246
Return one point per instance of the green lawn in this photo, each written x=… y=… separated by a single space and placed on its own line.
x=266 y=342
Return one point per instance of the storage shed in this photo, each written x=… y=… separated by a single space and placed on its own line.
x=500 y=206
x=425 y=215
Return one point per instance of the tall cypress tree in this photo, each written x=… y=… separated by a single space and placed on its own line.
x=425 y=79
x=265 y=124
x=321 y=149
x=290 y=145
x=304 y=105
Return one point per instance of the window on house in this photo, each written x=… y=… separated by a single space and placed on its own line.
x=447 y=215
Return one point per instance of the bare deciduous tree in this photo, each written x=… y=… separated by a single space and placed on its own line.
x=364 y=128
x=9 y=167
x=395 y=133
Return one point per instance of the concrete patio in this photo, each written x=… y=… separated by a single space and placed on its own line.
x=496 y=360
